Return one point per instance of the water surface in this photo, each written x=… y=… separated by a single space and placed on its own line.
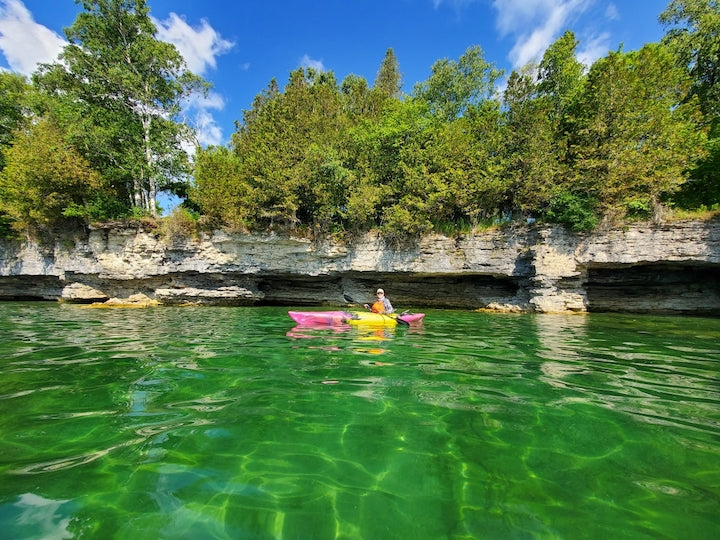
x=235 y=423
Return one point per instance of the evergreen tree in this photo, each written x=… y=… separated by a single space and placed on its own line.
x=635 y=142
x=694 y=35
x=532 y=165
x=560 y=75
x=389 y=78
x=290 y=152
x=13 y=91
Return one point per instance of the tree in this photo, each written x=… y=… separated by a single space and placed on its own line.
x=694 y=36
x=539 y=118
x=454 y=86
x=389 y=79
x=635 y=142
x=13 y=90
x=218 y=189
x=124 y=89
x=560 y=75
x=357 y=100
x=290 y=150
x=44 y=177
x=375 y=156
x=260 y=101
x=532 y=164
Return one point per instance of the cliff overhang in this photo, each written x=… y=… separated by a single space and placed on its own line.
x=641 y=268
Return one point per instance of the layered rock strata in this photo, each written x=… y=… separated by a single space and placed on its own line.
x=672 y=268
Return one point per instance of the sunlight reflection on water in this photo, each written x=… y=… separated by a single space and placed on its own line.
x=235 y=422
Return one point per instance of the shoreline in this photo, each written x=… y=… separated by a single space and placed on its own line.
x=638 y=268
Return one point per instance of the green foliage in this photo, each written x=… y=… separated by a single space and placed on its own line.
x=98 y=208
x=356 y=96
x=403 y=221
x=561 y=75
x=693 y=35
x=96 y=137
x=218 y=189
x=321 y=199
x=287 y=139
x=13 y=96
x=180 y=225
x=533 y=147
x=119 y=90
x=576 y=210
x=44 y=176
x=389 y=79
x=639 y=208
x=633 y=137
x=454 y=86
x=569 y=146
x=6 y=228
x=702 y=189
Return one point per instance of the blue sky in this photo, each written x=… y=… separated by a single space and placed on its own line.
x=240 y=45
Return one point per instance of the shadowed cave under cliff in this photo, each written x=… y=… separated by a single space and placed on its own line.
x=649 y=288
x=654 y=288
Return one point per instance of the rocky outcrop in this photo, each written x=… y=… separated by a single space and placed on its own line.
x=640 y=268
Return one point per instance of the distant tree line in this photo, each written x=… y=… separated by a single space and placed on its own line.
x=96 y=137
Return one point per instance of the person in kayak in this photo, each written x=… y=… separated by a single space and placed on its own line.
x=381 y=305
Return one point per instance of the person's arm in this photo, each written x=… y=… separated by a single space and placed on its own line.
x=388 y=305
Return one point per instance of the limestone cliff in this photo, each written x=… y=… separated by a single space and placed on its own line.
x=670 y=268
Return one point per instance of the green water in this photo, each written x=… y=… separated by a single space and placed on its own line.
x=231 y=423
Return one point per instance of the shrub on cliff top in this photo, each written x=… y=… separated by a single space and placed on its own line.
x=181 y=224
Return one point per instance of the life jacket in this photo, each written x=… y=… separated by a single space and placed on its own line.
x=378 y=307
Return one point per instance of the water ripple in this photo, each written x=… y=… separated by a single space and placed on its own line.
x=233 y=423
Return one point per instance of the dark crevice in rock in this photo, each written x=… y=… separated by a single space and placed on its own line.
x=654 y=288
x=29 y=288
x=405 y=289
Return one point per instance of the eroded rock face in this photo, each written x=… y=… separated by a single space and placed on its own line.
x=640 y=268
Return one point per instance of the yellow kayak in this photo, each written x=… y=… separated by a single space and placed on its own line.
x=381 y=319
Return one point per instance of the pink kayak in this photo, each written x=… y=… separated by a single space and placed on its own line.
x=353 y=317
x=319 y=317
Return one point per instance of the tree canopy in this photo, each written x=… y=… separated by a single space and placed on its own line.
x=98 y=134
x=120 y=90
x=694 y=36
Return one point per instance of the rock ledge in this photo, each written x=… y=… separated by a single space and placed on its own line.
x=671 y=268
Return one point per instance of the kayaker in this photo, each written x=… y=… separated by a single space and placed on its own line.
x=381 y=305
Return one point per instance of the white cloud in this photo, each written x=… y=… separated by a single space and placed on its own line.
x=514 y=15
x=308 y=62
x=198 y=113
x=612 y=13
x=594 y=48
x=208 y=130
x=24 y=42
x=457 y=4
x=535 y=24
x=212 y=100
x=200 y=45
